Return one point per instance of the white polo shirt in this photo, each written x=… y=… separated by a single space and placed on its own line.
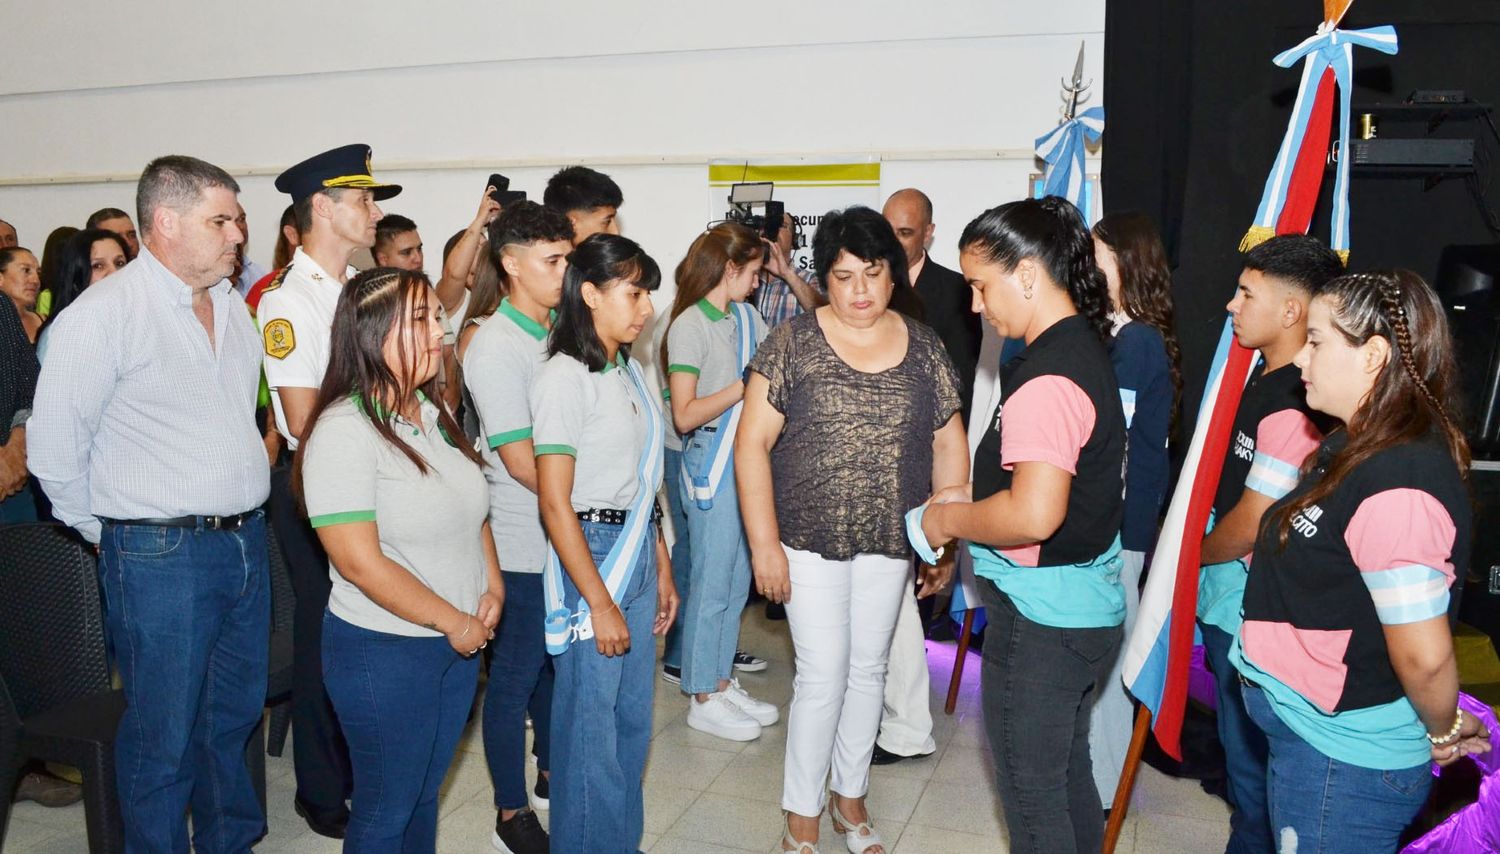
x=296 y=324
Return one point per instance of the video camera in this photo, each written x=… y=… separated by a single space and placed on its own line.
x=746 y=198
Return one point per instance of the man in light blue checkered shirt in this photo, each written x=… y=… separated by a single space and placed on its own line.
x=143 y=435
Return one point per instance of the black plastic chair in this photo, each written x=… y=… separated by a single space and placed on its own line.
x=57 y=704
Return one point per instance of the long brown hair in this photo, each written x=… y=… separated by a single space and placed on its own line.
x=1145 y=284
x=371 y=307
x=701 y=270
x=1414 y=394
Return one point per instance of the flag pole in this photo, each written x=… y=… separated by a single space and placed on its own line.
x=1126 y=785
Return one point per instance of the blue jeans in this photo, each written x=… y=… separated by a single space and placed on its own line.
x=682 y=553
x=601 y=719
x=20 y=507
x=190 y=614
x=1244 y=752
x=520 y=678
x=1320 y=805
x=720 y=580
x=1037 y=686
x=402 y=703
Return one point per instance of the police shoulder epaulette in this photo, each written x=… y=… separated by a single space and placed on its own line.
x=277 y=279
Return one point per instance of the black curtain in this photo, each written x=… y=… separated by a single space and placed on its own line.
x=1195 y=110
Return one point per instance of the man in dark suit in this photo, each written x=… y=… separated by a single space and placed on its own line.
x=944 y=293
x=906 y=724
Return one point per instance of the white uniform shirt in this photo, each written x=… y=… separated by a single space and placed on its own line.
x=296 y=322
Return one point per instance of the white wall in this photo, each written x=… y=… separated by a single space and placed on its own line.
x=950 y=95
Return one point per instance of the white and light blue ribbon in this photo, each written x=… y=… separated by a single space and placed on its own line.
x=1062 y=149
x=701 y=486
x=1328 y=48
x=561 y=626
x=917 y=537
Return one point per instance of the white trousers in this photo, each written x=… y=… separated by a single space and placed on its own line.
x=906 y=726
x=1113 y=718
x=842 y=614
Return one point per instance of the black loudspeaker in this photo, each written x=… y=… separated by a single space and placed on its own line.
x=1480 y=592
x=1465 y=283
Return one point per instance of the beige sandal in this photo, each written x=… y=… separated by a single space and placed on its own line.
x=858 y=838
x=787 y=838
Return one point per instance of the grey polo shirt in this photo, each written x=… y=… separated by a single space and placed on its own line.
x=704 y=342
x=597 y=418
x=351 y=474
x=500 y=364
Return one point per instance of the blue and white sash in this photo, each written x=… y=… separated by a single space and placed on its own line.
x=701 y=486
x=562 y=626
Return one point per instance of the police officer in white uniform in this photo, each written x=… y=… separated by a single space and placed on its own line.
x=334 y=202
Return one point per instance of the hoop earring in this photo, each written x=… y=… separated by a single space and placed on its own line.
x=1027 y=292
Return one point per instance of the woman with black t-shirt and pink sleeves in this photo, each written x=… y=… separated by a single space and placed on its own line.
x=1042 y=517
x=1346 y=650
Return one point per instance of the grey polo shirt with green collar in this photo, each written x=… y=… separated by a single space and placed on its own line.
x=350 y=473
x=500 y=365
x=704 y=341
x=599 y=419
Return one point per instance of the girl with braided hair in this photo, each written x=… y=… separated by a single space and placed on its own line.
x=1345 y=650
x=1043 y=516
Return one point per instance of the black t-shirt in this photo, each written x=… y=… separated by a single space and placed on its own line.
x=1353 y=562
x=1266 y=394
x=1068 y=349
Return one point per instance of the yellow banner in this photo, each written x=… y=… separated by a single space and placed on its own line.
x=811 y=174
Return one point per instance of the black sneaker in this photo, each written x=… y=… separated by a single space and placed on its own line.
x=671 y=674
x=747 y=662
x=541 y=794
x=523 y=834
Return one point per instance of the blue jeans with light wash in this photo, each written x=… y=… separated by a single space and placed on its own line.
x=601 y=718
x=520 y=679
x=682 y=553
x=1244 y=751
x=402 y=703
x=189 y=610
x=720 y=579
x=1320 y=805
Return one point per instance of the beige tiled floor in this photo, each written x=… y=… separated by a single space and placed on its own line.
x=705 y=795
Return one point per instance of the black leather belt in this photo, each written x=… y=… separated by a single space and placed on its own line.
x=212 y=523
x=606 y=516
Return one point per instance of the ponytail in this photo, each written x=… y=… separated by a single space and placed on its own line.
x=1052 y=231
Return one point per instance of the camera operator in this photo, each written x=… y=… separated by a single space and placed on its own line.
x=783 y=294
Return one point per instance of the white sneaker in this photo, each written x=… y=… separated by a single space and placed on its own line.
x=721 y=716
x=760 y=711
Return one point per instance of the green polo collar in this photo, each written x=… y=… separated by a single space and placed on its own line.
x=711 y=311
x=619 y=362
x=534 y=329
x=382 y=412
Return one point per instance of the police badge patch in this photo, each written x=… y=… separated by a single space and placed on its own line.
x=280 y=339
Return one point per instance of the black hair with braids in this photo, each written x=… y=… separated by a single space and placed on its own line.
x=1414 y=395
x=1052 y=231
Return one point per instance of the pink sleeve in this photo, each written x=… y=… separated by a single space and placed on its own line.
x=1047 y=420
x=1288 y=435
x=1402 y=541
x=1283 y=440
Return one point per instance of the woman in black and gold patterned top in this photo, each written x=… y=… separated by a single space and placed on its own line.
x=851 y=413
